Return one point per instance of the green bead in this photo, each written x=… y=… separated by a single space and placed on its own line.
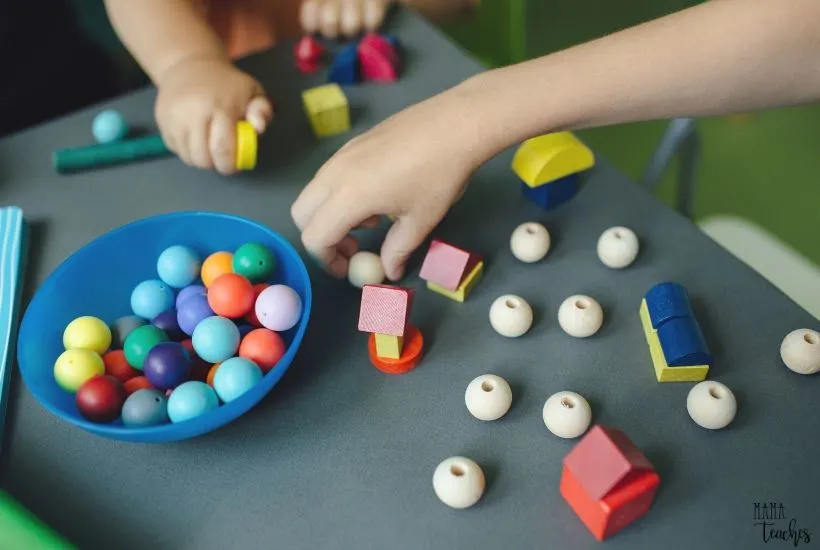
x=254 y=262
x=140 y=342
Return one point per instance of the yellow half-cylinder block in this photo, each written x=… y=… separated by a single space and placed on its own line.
x=389 y=346
x=544 y=159
x=327 y=108
x=460 y=294
x=246 y=146
x=663 y=372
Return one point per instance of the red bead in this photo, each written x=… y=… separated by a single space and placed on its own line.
x=251 y=317
x=137 y=383
x=101 y=398
x=231 y=296
x=264 y=347
x=118 y=367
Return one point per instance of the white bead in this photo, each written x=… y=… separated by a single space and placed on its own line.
x=458 y=482
x=511 y=316
x=800 y=351
x=365 y=268
x=567 y=414
x=580 y=316
x=488 y=397
x=530 y=242
x=618 y=247
x=711 y=405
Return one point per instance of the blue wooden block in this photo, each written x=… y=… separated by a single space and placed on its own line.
x=667 y=301
x=345 y=68
x=553 y=194
x=683 y=344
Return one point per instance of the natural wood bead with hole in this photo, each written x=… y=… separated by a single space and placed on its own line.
x=618 y=247
x=580 y=316
x=800 y=351
x=365 y=268
x=711 y=405
x=511 y=316
x=530 y=242
x=458 y=482
x=567 y=414
x=488 y=397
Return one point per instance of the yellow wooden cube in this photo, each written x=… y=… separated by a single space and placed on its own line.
x=544 y=159
x=389 y=346
x=460 y=294
x=663 y=372
x=327 y=108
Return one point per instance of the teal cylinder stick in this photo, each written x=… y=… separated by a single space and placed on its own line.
x=110 y=154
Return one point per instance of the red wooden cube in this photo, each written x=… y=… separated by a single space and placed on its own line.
x=607 y=481
x=446 y=265
x=378 y=59
x=385 y=309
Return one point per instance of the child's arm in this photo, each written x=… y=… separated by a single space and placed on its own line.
x=201 y=94
x=719 y=57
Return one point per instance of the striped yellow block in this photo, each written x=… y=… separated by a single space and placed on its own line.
x=460 y=294
x=663 y=372
x=389 y=346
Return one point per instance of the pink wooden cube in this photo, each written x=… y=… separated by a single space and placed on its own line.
x=446 y=265
x=385 y=309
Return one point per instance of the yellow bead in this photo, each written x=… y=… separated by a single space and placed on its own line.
x=246 y=146
x=75 y=366
x=88 y=333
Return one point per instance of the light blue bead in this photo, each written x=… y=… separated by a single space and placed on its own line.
x=145 y=408
x=215 y=339
x=109 y=126
x=190 y=400
x=234 y=377
x=150 y=298
x=178 y=266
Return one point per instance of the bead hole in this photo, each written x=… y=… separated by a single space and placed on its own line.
x=617 y=233
x=157 y=399
x=581 y=304
x=716 y=393
x=530 y=230
x=511 y=303
x=567 y=403
x=810 y=338
x=487 y=386
x=456 y=470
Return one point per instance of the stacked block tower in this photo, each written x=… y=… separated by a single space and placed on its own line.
x=451 y=271
x=676 y=344
x=550 y=166
x=395 y=347
x=608 y=482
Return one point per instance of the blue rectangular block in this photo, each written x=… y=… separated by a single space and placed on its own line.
x=682 y=343
x=666 y=301
x=553 y=194
x=345 y=67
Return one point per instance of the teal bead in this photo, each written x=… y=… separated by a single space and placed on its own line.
x=254 y=261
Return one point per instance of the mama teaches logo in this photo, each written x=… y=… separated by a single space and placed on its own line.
x=770 y=518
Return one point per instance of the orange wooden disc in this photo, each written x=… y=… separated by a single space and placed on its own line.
x=411 y=353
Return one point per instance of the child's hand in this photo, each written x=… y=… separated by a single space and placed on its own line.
x=412 y=166
x=346 y=17
x=198 y=105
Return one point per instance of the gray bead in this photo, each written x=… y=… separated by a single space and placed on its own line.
x=123 y=327
x=145 y=408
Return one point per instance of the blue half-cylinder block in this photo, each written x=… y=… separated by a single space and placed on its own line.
x=666 y=301
x=683 y=344
x=345 y=68
x=553 y=194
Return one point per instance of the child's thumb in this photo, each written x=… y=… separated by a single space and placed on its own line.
x=403 y=238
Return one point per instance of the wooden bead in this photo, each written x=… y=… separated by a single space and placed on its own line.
x=488 y=397
x=800 y=351
x=365 y=268
x=567 y=414
x=459 y=482
x=711 y=405
x=510 y=316
x=580 y=316
x=530 y=242
x=618 y=247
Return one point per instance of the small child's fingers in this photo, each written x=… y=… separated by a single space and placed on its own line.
x=259 y=113
x=309 y=16
x=352 y=17
x=374 y=12
x=370 y=223
x=222 y=143
x=199 y=150
x=403 y=237
x=329 y=18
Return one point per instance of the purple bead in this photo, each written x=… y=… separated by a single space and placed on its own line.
x=278 y=308
x=192 y=311
x=189 y=291
x=167 y=365
x=167 y=322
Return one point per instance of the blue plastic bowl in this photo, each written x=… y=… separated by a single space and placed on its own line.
x=98 y=280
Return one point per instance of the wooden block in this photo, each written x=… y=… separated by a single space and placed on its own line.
x=385 y=309
x=411 y=354
x=466 y=286
x=345 y=67
x=327 y=109
x=544 y=159
x=682 y=343
x=555 y=194
x=664 y=372
x=388 y=346
x=378 y=59
x=445 y=265
x=307 y=54
x=667 y=301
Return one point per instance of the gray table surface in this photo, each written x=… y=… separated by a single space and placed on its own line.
x=341 y=456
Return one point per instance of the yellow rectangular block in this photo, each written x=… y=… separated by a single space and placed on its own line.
x=327 y=108
x=460 y=294
x=544 y=159
x=663 y=372
x=389 y=346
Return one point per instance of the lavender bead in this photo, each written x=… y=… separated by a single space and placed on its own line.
x=278 y=308
x=189 y=291
x=192 y=311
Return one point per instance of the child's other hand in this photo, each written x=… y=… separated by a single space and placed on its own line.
x=333 y=18
x=198 y=105
x=413 y=166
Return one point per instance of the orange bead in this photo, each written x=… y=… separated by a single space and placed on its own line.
x=211 y=374
x=251 y=316
x=411 y=353
x=137 y=383
x=215 y=265
x=117 y=366
x=231 y=296
x=264 y=347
